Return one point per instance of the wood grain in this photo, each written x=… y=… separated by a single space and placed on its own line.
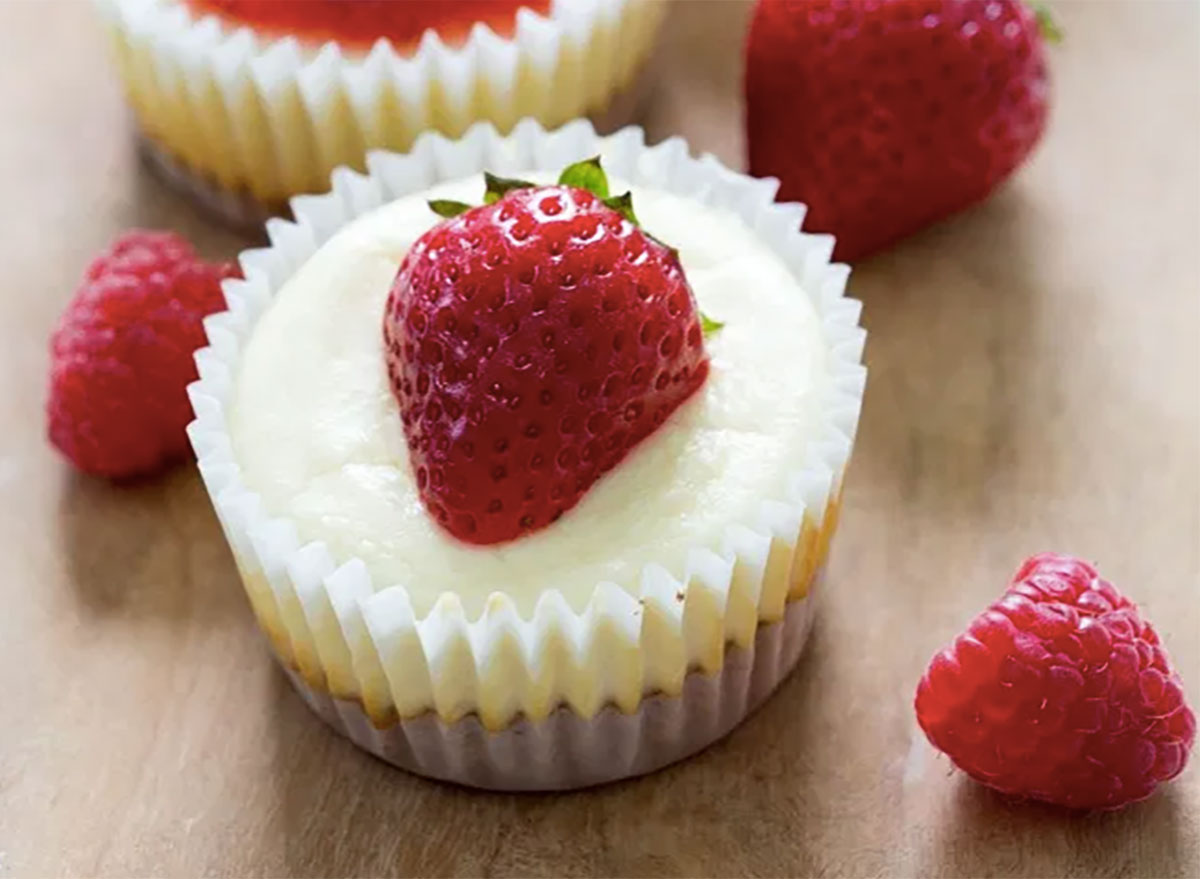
x=1035 y=383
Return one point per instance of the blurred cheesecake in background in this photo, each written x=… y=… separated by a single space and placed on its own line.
x=246 y=103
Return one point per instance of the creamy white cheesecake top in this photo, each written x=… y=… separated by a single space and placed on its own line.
x=317 y=433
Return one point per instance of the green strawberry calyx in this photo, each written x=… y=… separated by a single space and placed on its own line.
x=588 y=175
x=1047 y=24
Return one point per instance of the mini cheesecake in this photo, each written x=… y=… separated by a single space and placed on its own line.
x=249 y=102
x=679 y=583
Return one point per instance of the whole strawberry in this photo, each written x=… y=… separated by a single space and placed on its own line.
x=1059 y=691
x=121 y=356
x=886 y=115
x=531 y=343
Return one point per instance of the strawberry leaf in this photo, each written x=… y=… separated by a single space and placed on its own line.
x=623 y=205
x=708 y=326
x=1047 y=23
x=445 y=207
x=586 y=175
x=498 y=187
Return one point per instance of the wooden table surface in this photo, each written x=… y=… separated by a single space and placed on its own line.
x=1035 y=384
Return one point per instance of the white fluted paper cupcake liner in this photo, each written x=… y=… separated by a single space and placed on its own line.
x=262 y=119
x=565 y=751
x=353 y=641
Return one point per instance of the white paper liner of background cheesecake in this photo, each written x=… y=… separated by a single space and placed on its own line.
x=241 y=122
x=551 y=686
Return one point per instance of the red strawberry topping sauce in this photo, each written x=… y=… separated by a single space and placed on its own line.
x=360 y=23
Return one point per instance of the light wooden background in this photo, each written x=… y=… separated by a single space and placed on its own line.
x=1035 y=384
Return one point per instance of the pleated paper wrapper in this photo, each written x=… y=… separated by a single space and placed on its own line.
x=243 y=121
x=639 y=677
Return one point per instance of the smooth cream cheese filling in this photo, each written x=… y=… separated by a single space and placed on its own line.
x=317 y=433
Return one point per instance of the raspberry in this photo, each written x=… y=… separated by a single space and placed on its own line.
x=121 y=356
x=1061 y=692
x=531 y=343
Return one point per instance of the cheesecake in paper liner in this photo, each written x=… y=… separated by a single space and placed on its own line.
x=243 y=121
x=560 y=697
